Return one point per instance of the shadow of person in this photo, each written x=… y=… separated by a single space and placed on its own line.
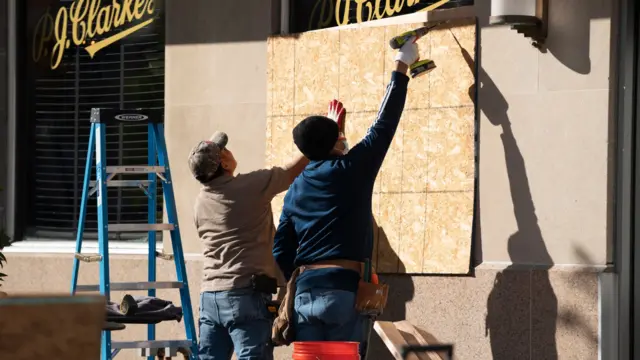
x=401 y=292
x=526 y=245
x=510 y=323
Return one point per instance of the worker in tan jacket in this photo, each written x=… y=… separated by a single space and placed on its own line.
x=235 y=225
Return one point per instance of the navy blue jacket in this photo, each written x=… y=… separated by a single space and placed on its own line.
x=327 y=210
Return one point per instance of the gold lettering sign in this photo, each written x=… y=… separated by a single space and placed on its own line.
x=86 y=19
x=366 y=10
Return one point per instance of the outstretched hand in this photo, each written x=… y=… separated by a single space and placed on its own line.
x=337 y=113
x=408 y=53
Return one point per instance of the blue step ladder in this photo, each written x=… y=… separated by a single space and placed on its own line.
x=156 y=169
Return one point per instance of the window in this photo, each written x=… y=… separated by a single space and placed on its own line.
x=307 y=15
x=127 y=74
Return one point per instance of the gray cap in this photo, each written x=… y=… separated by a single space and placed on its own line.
x=204 y=158
x=220 y=138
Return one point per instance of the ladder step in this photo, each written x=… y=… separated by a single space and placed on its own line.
x=121 y=286
x=140 y=227
x=136 y=169
x=89 y=258
x=165 y=353
x=124 y=183
x=151 y=344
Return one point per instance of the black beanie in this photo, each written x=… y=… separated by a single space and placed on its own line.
x=316 y=136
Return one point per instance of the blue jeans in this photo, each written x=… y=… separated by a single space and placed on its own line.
x=329 y=315
x=235 y=319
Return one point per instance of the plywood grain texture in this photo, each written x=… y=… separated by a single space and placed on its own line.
x=447 y=242
x=281 y=71
x=317 y=74
x=276 y=207
x=281 y=149
x=414 y=173
x=268 y=161
x=58 y=327
x=451 y=145
x=423 y=197
x=361 y=77
x=390 y=175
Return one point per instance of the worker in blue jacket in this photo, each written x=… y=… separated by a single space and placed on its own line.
x=326 y=225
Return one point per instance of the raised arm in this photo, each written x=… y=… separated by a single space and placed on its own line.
x=369 y=153
x=273 y=181
x=295 y=167
x=372 y=149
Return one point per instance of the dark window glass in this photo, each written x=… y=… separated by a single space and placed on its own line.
x=306 y=15
x=127 y=74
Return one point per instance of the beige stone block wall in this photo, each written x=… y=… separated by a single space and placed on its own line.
x=216 y=66
x=544 y=139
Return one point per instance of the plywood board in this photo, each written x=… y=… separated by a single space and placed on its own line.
x=424 y=194
x=397 y=335
x=51 y=327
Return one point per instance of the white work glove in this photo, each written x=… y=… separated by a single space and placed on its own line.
x=408 y=53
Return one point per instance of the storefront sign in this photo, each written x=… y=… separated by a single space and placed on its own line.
x=319 y=14
x=88 y=19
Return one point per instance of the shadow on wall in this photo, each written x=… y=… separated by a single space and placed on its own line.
x=526 y=245
x=569 y=29
x=571 y=319
x=401 y=291
x=505 y=302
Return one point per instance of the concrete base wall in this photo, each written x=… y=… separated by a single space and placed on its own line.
x=511 y=314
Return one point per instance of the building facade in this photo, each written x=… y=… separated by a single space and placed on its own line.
x=553 y=244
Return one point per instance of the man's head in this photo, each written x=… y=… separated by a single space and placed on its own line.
x=210 y=159
x=318 y=137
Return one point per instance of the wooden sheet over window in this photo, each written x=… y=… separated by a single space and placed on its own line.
x=424 y=195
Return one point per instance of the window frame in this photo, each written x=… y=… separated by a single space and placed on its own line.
x=18 y=156
x=291 y=13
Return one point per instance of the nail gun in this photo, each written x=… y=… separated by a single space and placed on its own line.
x=397 y=41
x=420 y=67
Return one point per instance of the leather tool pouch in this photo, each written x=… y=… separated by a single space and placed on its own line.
x=264 y=284
x=282 y=330
x=371 y=298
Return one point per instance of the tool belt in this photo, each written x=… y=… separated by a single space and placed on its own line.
x=370 y=299
x=264 y=284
